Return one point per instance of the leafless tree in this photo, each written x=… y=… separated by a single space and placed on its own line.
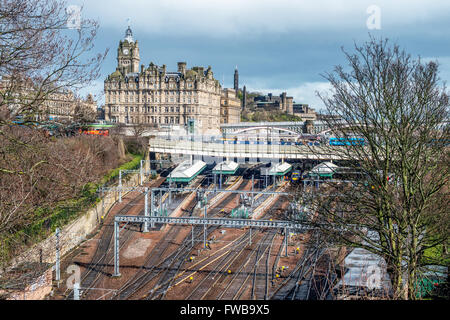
x=40 y=55
x=397 y=206
x=56 y=171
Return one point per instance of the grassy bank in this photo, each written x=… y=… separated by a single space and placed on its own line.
x=47 y=219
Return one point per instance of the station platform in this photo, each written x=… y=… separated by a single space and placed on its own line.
x=280 y=169
x=226 y=167
x=186 y=172
x=325 y=169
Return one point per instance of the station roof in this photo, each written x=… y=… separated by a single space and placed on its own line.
x=280 y=169
x=185 y=172
x=325 y=169
x=226 y=167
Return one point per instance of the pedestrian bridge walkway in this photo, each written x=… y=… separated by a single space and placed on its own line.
x=254 y=151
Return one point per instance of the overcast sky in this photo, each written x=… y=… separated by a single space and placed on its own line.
x=282 y=45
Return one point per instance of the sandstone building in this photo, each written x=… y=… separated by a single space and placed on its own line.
x=276 y=103
x=155 y=96
x=57 y=104
x=230 y=107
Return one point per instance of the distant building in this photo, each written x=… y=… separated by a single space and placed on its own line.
x=304 y=111
x=154 y=95
x=230 y=107
x=236 y=80
x=270 y=102
x=59 y=104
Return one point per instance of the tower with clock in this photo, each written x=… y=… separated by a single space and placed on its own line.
x=128 y=54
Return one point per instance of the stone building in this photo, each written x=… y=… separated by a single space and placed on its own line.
x=271 y=102
x=64 y=106
x=230 y=107
x=57 y=104
x=154 y=95
x=304 y=111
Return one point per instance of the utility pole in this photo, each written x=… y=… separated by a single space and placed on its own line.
x=76 y=291
x=120 y=186
x=57 y=265
x=141 y=174
x=146 y=210
x=204 y=229
x=220 y=180
x=116 y=249
x=286 y=241
x=160 y=202
x=192 y=240
x=103 y=203
x=152 y=207
x=253 y=195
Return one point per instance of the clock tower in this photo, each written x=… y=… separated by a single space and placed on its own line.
x=128 y=54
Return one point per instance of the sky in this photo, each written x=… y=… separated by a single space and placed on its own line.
x=283 y=45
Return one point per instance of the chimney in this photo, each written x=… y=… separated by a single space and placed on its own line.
x=182 y=67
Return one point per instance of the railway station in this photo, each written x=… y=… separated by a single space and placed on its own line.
x=186 y=171
x=226 y=167
x=189 y=226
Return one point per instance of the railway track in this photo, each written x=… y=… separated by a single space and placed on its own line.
x=165 y=263
x=103 y=254
x=260 y=281
x=173 y=268
x=247 y=262
x=298 y=284
x=153 y=262
x=164 y=271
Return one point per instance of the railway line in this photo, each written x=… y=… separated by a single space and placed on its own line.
x=163 y=270
x=303 y=282
x=103 y=255
x=250 y=264
x=245 y=268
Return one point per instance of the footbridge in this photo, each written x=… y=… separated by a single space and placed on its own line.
x=247 y=149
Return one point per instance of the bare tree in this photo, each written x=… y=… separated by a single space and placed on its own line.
x=40 y=55
x=389 y=112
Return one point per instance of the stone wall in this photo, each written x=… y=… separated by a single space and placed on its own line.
x=36 y=290
x=74 y=233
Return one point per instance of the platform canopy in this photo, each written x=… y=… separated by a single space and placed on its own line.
x=186 y=171
x=325 y=169
x=280 y=169
x=226 y=167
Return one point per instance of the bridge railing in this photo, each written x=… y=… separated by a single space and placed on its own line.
x=261 y=150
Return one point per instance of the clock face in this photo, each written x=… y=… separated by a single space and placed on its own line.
x=125 y=51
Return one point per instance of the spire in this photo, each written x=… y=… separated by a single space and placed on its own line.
x=236 y=79
x=129 y=33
